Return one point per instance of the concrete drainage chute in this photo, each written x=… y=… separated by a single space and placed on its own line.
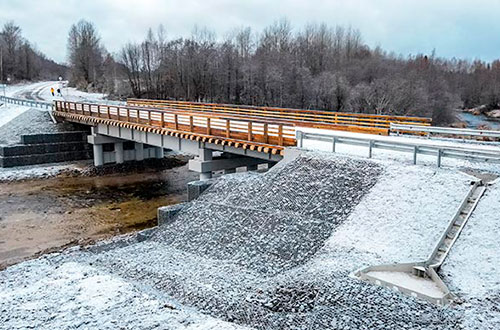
x=420 y=279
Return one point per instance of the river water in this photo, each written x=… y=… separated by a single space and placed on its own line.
x=474 y=121
x=39 y=216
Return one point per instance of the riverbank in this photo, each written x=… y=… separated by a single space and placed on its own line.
x=81 y=206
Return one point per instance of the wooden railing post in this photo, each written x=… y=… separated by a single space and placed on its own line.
x=228 y=128
x=149 y=117
x=176 y=124
x=191 y=124
x=249 y=131
x=162 y=119
x=128 y=115
x=266 y=133
x=209 y=131
x=280 y=134
x=138 y=116
x=108 y=112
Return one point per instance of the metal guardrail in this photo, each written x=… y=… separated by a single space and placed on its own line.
x=414 y=148
x=402 y=128
x=29 y=103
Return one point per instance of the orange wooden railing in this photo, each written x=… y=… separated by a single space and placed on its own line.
x=353 y=120
x=230 y=128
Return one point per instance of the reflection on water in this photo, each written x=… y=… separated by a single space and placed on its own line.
x=475 y=121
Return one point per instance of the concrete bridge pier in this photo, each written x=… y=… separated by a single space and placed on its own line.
x=119 y=153
x=98 y=155
x=109 y=149
x=206 y=163
x=205 y=156
x=252 y=168
x=159 y=153
x=139 y=151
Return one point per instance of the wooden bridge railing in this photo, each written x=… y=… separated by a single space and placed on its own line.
x=354 y=122
x=237 y=129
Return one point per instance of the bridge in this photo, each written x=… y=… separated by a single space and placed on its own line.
x=246 y=135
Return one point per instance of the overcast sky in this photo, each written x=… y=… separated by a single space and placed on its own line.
x=455 y=28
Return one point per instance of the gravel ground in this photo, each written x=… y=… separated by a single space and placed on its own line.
x=277 y=221
x=229 y=255
x=84 y=297
x=32 y=121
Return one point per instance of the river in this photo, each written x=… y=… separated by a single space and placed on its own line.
x=40 y=216
x=474 y=121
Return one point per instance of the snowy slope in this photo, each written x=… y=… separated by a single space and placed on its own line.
x=405 y=157
x=10 y=111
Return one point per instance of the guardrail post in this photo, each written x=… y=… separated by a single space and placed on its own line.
x=299 y=136
x=415 y=152
x=439 y=156
x=370 y=149
x=334 y=143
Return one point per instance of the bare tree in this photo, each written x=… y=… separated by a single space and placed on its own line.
x=318 y=67
x=85 y=55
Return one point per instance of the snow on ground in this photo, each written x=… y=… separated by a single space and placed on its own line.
x=10 y=111
x=476 y=254
x=404 y=214
x=82 y=296
x=406 y=157
x=41 y=91
x=40 y=171
x=472 y=268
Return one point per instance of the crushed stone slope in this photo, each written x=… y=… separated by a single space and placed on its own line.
x=276 y=221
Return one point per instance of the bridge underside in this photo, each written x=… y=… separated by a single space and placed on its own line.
x=205 y=163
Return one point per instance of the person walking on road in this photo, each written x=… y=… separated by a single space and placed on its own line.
x=52 y=90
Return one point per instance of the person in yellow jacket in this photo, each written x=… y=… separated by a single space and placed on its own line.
x=52 y=90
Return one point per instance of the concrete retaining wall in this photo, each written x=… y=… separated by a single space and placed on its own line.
x=46 y=148
x=54 y=137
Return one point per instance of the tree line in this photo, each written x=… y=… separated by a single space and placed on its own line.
x=20 y=60
x=317 y=67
